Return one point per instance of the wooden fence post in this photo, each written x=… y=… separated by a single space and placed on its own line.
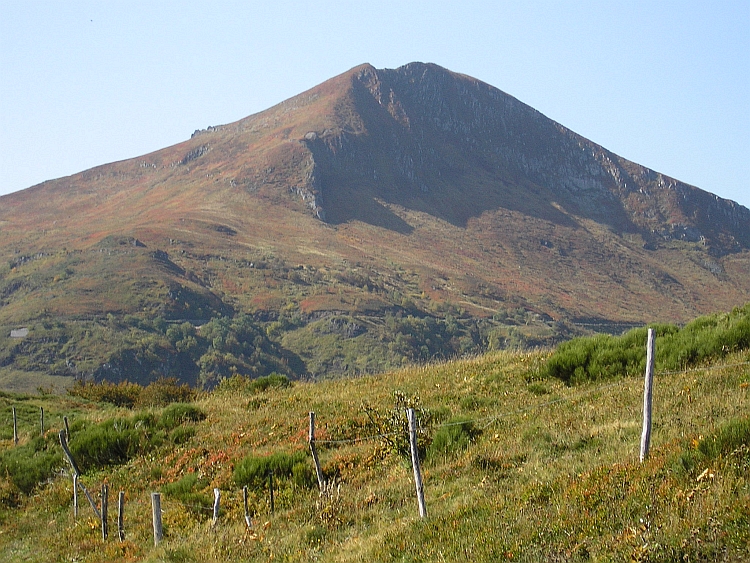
x=217 y=498
x=67 y=428
x=75 y=496
x=121 y=516
x=41 y=419
x=270 y=489
x=313 y=450
x=415 y=462
x=248 y=521
x=647 y=395
x=15 y=427
x=156 y=516
x=105 y=509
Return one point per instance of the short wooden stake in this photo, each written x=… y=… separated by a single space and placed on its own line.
x=75 y=496
x=648 y=396
x=105 y=510
x=67 y=428
x=41 y=419
x=156 y=516
x=415 y=462
x=270 y=489
x=15 y=427
x=313 y=450
x=121 y=516
x=217 y=499
x=248 y=520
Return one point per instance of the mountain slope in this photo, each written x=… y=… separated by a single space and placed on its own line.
x=382 y=216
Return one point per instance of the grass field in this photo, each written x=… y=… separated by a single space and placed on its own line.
x=516 y=467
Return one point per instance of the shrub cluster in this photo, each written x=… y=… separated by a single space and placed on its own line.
x=253 y=471
x=604 y=356
x=111 y=442
x=158 y=393
x=453 y=437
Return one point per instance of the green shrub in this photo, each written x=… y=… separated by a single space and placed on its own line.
x=177 y=413
x=452 y=438
x=184 y=490
x=604 y=356
x=113 y=441
x=273 y=380
x=165 y=391
x=116 y=441
x=724 y=441
x=30 y=464
x=253 y=471
x=123 y=394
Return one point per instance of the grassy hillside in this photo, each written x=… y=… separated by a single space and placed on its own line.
x=518 y=465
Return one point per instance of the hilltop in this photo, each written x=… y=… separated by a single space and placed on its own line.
x=380 y=218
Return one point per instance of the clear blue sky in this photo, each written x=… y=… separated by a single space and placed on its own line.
x=666 y=84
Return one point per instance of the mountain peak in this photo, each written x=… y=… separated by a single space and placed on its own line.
x=363 y=211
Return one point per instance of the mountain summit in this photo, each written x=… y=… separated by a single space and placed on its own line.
x=382 y=216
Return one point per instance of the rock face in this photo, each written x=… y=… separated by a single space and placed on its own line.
x=414 y=133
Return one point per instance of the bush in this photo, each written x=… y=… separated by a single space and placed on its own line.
x=604 y=356
x=165 y=391
x=452 y=438
x=253 y=471
x=177 y=413
x=725 y=440
x=30 y=464
x=273 y=380
x=113 y=441
x=123 y=394
x=184 y=490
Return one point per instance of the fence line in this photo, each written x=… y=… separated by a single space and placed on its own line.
x=233 y=502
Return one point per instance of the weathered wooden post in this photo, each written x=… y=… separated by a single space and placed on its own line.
x=156 y=517
x=105 y=510
x=270 y=489
x=415 y=462
x=67 y=428
x=217 y=497
x=41 y=419
x=75 y=496
x=313 y=450
x=121 y=516
x=248 y=521
x=648 y=395
x=15 y=427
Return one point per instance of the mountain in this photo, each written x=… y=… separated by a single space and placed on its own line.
x=382 y=217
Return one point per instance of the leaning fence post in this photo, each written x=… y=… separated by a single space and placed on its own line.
x=15 y=427
x=415 y=462
x=647 y=396
x=313 y=450
x=121 y=516
x=156 y=517
x=217 y=498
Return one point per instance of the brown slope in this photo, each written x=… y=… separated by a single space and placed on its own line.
x=443 y=187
